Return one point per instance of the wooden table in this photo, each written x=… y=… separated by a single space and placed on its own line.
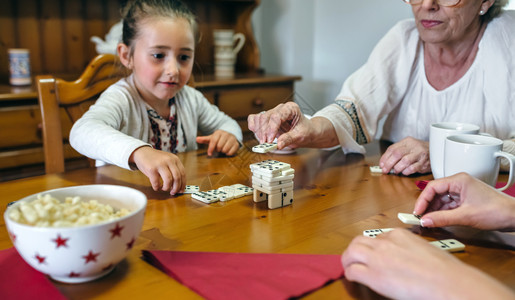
x=336 y=198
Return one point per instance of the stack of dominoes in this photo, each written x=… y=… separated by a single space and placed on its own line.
x=272 y=181
x=224 y=193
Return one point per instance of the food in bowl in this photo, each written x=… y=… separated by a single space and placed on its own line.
x=47 y=211
x=75 y=254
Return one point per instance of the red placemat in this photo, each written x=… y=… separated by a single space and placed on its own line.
x=216 y=275
x=18 y=280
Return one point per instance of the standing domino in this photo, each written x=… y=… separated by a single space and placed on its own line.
x=272 y=181
x=260 y=196
x=280 y=199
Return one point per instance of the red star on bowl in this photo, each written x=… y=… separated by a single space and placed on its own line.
x=59 y=241
x=117 y=231
x=130 y=244
x=41 y=259
x=90 y=257
x=73 y=274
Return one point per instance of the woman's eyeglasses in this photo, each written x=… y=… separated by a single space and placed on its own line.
x=440 y=2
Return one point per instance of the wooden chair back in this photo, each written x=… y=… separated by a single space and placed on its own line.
x=60 y=99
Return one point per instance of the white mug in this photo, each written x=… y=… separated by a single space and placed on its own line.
x=437 y=135
x=477 y=155
x=227 y=45
x=227 y=41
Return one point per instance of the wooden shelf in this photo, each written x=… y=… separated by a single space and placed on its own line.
x=9 y=93
x=242 y=79
x=57 y=34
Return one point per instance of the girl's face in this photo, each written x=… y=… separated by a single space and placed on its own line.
x=162 y=58
x=448 y=25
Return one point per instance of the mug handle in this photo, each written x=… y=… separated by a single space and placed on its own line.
x=241 y=40
x=511 y=160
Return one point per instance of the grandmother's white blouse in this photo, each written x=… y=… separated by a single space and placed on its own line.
x=393 y=82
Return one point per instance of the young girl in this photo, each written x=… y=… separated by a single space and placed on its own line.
x=142 y=120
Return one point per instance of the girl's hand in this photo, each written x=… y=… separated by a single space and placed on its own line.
x=408 y=156
x=220 y=141
x=164 y=169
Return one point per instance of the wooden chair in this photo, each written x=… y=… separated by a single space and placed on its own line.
x=60 y=100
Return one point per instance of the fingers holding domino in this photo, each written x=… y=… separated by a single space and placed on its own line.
x=264 y=126
x=274 y=123
x=453 y=200
x=412 y=219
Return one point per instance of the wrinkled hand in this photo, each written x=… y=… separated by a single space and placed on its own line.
x=464 y=200
x=401 y=265
x=160 y=166
x=220 y=141
x=408 y=156
x=285 y=121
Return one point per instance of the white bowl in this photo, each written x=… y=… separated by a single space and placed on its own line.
x=85 y=253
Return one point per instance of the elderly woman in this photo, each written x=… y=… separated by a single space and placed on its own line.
x=453 y=62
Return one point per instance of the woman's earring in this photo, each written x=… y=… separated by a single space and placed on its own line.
x=482 y=12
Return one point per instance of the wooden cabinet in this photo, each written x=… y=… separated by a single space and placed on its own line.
x=248 y=94
x=58 y=38
x=21 y=151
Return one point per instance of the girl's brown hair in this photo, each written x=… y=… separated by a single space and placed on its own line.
x=136 y=11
